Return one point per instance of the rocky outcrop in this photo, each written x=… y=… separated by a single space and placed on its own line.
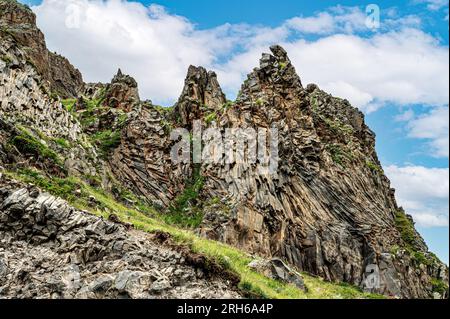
x=201 y=95
x=50 y=250
x=278 y=270
x=17 y=21
x=329 y=210
x=23 y=98
x=122 y=93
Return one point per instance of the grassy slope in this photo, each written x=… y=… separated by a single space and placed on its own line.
x=228 y=256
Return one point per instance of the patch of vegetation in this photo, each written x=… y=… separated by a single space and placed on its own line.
x=61 y=187
x=54 y=96
x=62 y=142
x=69 y=104
x=439 y=286
x=88 y=116
x=122 y=119
x=338 y=154
x=236 y=260
x=228 y=105
x=338 y=128
x=211 y=117
x=167 y=126
x=185 y=211
x=162 y=109
x=260 y=102
x=395 y=250
x=282 y=65
x=106 y=141
x=6 y=59
x=407 y=231
x=29 y=145
x=373 y=167
x=406 y=228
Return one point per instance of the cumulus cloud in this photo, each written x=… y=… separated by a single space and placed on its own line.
x=402 y=66
x=433 y=126
x=423 y=192
x=147 y=42
x=434 y=5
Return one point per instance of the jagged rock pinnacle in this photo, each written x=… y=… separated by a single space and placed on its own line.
x=122 y=93
x=201 y=93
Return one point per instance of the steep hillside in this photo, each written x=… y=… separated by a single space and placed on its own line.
x=327 y=209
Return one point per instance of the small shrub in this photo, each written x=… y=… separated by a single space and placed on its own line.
x=29 y=145
x=107 y=140
x=62 y=142
x=338 y=154
x=227 y=105
x=373 y=167
x=211 y=117
x=69 y=104
x=6 y=59
x=439 y=286
x=184 y=210
x=260 y=102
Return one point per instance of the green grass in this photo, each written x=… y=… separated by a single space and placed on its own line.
x=338 y=154
x=283 y=65
x=373 y=167
x=27 y=144
x=234 y=259
x=69 y=104
x=260 y=102
x=439 y=286
x=6 y=59
x=338 y=128
x=407 y=231
x=211 y=117
x=185 y=210
x=88 y=116
x=106 y=141
x=228 y=105
x=62 y=142
x=61 y=187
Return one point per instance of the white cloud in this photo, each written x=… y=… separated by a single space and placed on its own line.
x=342 y=19
x=406 y=116
x=402 y=66
x=433 y=126
x=147 y=42
x=423 y=192
x=434 y=5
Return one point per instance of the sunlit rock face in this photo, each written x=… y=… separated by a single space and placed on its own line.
x=326 y=207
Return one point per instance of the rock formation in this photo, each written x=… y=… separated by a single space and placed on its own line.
x=19 y=22
x=50 y=250
x=122 y=93
x=327 y=210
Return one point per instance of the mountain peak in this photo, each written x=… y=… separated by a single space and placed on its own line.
x=201 y=93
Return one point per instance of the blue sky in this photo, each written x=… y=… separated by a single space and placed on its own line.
x=397 y=74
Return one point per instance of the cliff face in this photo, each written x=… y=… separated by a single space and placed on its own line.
x=19 y=22
x=327 y=208
x=82 y=256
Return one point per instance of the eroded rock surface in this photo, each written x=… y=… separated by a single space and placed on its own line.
x=59 y=75
x=329 y=210
x=50 y=250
